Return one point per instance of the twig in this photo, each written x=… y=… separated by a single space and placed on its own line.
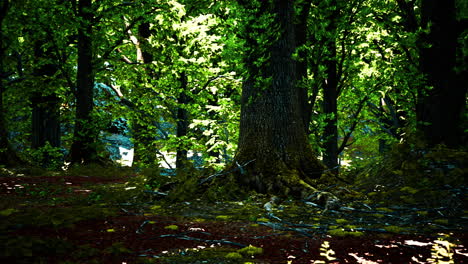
x=140 y=228
x=155 y=192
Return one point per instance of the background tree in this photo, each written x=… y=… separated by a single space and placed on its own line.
x=83 y=149
x=442 y=102
x=8 y=156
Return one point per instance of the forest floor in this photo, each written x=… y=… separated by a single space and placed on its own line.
x=92 y=219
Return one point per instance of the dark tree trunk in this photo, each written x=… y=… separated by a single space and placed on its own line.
x=330 y=95
x=272 y=134
x=45 y=121
x=45 y=107
x=302 y=65
x=83 y=149
x=440 y=109
x=8 y=156
x=182 y=123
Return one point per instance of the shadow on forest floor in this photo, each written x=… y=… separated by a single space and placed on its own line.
x=110 y=219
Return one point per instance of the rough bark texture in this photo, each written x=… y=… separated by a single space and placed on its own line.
x=272 y=132
x=330 y=95
x=302 y=65
x=83 y=149
x=440 y=109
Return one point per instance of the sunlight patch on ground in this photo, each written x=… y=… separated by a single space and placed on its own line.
x=416 y=243
x=362 y=260
x=459 y=251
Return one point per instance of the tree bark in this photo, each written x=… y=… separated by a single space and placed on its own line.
x=83 y=149
x=302 y=65
x=272 y=133
x=45 y=107
x=182 y=123
x=330 y=94
x=440 y=109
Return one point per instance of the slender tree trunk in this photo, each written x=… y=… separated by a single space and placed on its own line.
x=83 y=149
x=440 y=109
x=45 y=121
x=272 y=138
x=143 y=135
x=182 y=123
x=330 y=95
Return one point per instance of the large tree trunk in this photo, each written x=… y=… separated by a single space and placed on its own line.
x=272 y=133
x=83 y=149
x=330 y=94
x=302 y=65
x=440 y=109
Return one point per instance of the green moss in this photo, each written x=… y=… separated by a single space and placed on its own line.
x=341 y=221
x=394 y=229
x=250 y=251
x=422 y=213
x=408 y=190
x=214 y=255
x=233 y=255
x=223 y=217
x=441 y=221
x=344 y=233
x=171 y=227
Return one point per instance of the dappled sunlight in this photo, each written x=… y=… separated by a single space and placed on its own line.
x=362 y=260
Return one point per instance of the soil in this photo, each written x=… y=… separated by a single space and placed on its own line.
x=131 y=235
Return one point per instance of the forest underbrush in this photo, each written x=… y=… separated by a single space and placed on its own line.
x=405 y=208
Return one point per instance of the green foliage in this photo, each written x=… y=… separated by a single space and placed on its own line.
x=48 y=157
x=411 y=174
